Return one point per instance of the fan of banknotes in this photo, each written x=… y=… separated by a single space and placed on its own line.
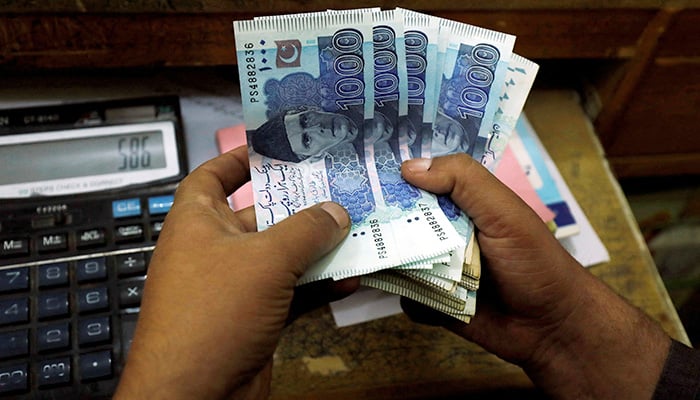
x=334 y=102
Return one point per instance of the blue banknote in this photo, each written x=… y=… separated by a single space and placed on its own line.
x=519 y=79
x=420 y=37
x=390 y=108
x=473 y=74
x=474 y=61
x=305 y=85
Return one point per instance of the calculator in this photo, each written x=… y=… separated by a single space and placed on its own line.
x=84 y=190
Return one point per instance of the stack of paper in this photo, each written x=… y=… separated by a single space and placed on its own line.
x=335 y=101
x=524 y=156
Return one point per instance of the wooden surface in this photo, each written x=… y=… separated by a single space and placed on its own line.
x=396 y=359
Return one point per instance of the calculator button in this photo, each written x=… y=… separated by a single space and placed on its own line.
x=156 y=228
x=55 y=371
x=52 y=305
x=93 y=299
x=15 y=343
x=130 y=294
x=14 y=378
x=43 y=222
x=91 y=237
x=126 y=233
x=131 y=264
x=93 y=330
x=160 y=204
x=14 y=279
x=14 y=311
x=14 y=247
x=53 y=274
x=126 y=208
x=53 y=337
x=91 y=269
x=95 y=365
x=52 y=242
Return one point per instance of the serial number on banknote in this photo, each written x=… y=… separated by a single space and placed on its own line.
x=378 y=238
x=251 y=72
x=432 y=221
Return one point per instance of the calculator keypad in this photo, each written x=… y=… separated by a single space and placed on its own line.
x=64 y=326
x=69 y=299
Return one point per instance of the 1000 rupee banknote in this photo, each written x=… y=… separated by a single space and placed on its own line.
x=474 y=71
x=307 y=91
x=420 y=38
x=520 y=76
x=475 y=61
x=305 y=84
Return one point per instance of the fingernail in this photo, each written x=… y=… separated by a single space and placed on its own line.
x=337 y=212
x=419 y=164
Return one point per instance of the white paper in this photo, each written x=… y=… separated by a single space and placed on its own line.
x=365 y=305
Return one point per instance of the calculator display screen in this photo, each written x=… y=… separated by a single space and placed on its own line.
x=98 y=155
x=86 y=159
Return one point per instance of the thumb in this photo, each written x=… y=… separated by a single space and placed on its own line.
x=494 y=208
x=306 y=236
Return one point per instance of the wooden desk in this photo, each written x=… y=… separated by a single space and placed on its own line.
x=393 y=358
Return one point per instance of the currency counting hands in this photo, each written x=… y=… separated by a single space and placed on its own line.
x=334 y=101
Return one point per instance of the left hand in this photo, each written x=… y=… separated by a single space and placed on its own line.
x=537 y=307
x=218 y=293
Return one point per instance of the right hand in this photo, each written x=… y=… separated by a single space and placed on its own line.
x=537 y=306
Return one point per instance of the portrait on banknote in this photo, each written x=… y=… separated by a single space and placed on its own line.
x=450 y=137
x=303 y=133
x=303 y=127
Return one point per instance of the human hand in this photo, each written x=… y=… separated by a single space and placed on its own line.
x=218 y=293
x=537 y=307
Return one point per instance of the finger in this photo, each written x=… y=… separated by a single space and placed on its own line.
x=492 y=205
x=247 y=218
x=487 y=322
x=218 y=177
x=488 y=302
x=314 y=295
x=305 y=237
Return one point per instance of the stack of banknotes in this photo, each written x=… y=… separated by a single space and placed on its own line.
x=335 y=101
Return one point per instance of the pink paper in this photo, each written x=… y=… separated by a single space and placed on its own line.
x=228 y=139
x=509 y=172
